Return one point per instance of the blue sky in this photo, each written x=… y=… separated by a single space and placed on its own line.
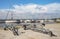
x=31 y=7
x=4 y=4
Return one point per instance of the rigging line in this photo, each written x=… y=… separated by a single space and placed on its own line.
x=17 y=16
x=7 y=15
x=11 y=16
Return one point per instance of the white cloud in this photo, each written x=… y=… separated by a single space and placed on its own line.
x=53 y=8
x=35 y=8
x=30 y=8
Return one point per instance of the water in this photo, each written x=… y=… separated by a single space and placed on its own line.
x=17 y=24
x=8 y=24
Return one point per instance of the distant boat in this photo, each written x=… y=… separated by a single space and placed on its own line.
x=10 y=21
